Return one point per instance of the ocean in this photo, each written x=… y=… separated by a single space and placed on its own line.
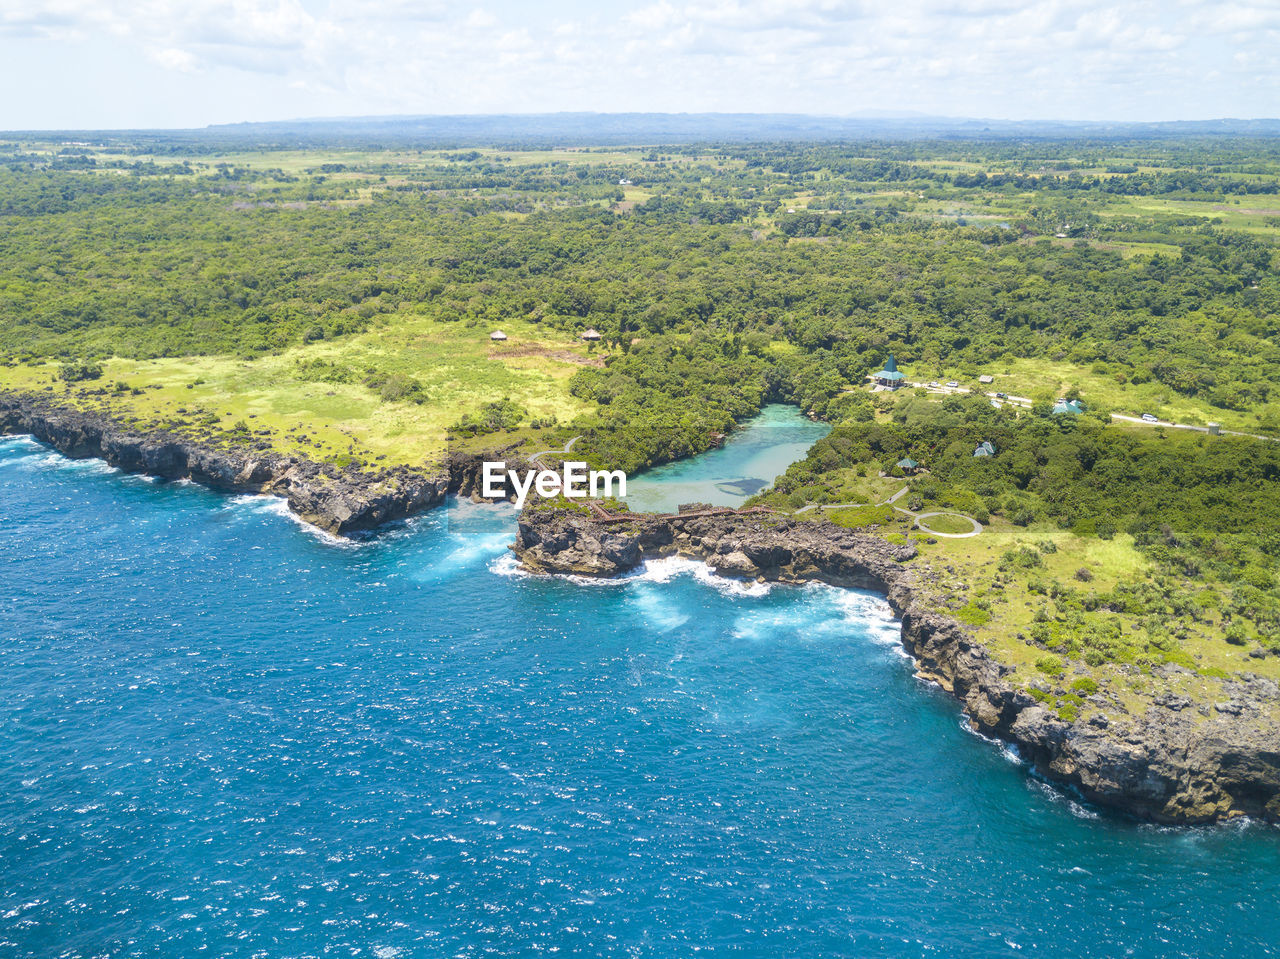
x=224 y=733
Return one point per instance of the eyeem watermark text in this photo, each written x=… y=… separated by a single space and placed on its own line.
x=574 y=481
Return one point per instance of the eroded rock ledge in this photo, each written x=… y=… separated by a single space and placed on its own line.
x=1166 y=765
x=339 y=501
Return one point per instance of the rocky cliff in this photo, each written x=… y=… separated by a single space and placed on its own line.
x=1171 y=763
x=339 y=501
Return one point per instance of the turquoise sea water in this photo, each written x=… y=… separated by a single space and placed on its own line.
x=223 y=734
x=747 y=462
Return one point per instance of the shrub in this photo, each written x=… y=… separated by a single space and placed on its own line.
x=501 y=414
x=1021 y=558
x=402 y=388
x=1084 y=574
x=1084 y=686
x=76 y=372
x=1050 y=666
x=1236 y=635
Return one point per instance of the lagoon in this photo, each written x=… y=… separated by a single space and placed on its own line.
x=748 y=461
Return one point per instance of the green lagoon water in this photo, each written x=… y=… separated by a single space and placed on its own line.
x=223 y=734
x=747 y=462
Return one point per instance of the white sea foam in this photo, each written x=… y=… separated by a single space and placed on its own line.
x=266 y=503
x=470 y=551
x=797 y=622
x=1009 y=751
x=507 y=565
x=1060 y=797
x=659 y=612
x=669 y=567
x=662 y=570
x=94 y=467
x=475 y=548
x=822 y=612
x=874 y=612
x=20 y=462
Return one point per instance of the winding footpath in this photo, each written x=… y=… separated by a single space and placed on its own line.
x=564 y=452
x=977 y=527
x=921 y=517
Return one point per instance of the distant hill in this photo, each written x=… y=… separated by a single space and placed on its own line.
x=591 y=129
x=611 y=128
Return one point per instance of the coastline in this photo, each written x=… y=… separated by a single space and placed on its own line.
x=1168 y=765
x=336 y=501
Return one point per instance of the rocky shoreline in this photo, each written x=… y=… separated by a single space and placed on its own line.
x=1171 y=764
x=337 y=501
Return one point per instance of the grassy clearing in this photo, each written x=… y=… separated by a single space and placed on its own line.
x=858 y=517
x=946 y=523
x=1128 y=250
x=1004 y=603
x=1254 y=214
x=283 y=404
x=863 y=486
x=1046 y=379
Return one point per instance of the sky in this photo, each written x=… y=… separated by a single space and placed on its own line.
x=102 y=64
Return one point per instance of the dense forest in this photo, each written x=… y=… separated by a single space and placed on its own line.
x=839 y=254
x=722 y=276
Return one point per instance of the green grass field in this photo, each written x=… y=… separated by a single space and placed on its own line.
x=1254 y=214
x=1047 y=379
x=1002 y=604
x=458 y=367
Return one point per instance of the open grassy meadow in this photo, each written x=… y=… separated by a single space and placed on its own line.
x=307 y=400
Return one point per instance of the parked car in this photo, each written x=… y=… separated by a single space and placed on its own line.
x=935 y=384
x=1148 y=418
x=952 y=384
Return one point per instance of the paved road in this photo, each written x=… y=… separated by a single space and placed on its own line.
x=1187 y=426
x=564 y=452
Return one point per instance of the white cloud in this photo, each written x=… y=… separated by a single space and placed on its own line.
x=173 y=59
x=1066 y=58
x=481 y=19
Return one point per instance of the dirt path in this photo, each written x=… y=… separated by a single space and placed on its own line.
x=920 y=517
x=564 y=452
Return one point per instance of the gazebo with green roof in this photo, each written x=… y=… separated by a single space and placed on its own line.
x=1075 y=407
x=908 y=465
x=889 y=377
